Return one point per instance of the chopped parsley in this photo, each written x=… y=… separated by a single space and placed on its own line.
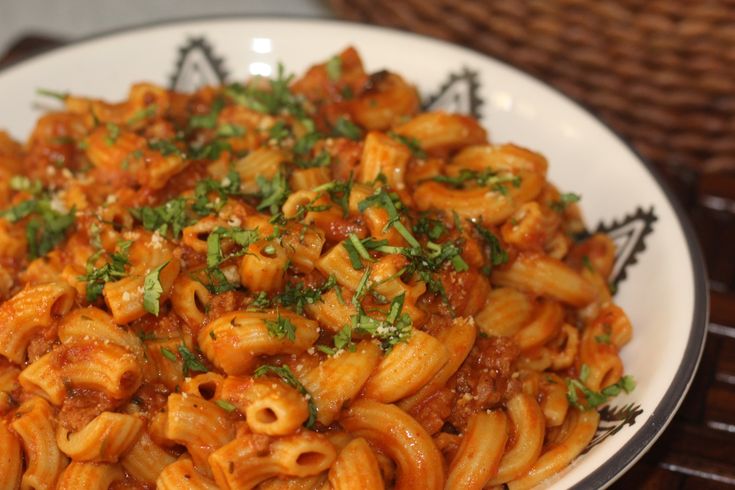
x=191 y=362
x=391 y=203
x=229 y=186
x=164 y=147
x=230 y=130
x=296 y=296
x=52 y=93
x=593 y=399
x=152 y=290
x=412 y=143
x=334 y=68
x=346 y=128
x=168 y=354
x=305 y=144
x=112 y=271
x=484 y=178
x=225 y=405
x=24 y=184
x=210 y=150
x=209 y=120
x=47 y=226
x=242 y=237
x=339 y=193
x=279 y=131
x=274 y=98
x=431 y=228
x=216 y=280
x=288 y=377
x=272 y=192
x=113 y=133
x=395 y=328
x=497 y=255
x=174 y=215
x=587 y=263
x=142 y=114
x=281 y=327
x=564 y=200
x=169 y=216
x=342 y=340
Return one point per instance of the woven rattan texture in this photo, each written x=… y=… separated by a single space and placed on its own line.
x=660 y=72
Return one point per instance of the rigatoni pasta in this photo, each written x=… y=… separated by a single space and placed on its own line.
x=289 y=283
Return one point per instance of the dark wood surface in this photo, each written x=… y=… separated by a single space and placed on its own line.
x=697 y=451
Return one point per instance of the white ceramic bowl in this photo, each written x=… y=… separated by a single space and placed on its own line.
x=659 y=271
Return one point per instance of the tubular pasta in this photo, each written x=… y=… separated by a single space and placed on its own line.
x=356 y=468
x=294 y=283
x=480 y=451
x=400 y=437
x=406 y=368
x=35 y=428
x=93 y=476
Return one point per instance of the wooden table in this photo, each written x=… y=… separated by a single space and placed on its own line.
x=697 y=451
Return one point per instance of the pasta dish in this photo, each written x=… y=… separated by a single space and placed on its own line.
x=293 y=283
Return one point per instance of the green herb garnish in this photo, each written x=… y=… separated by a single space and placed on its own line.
x=152 y=290
x=288 y=377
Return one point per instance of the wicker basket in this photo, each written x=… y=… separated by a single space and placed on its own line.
x=660 y=72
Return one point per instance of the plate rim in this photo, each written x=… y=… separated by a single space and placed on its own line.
x=667 y=407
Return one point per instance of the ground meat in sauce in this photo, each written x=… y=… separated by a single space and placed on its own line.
x=340 y=228
x=484 y=379
x=432 y=412
x=225 y=303
x=466 y=291
x=81 y=406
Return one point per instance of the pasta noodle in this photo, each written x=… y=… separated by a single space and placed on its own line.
x=294 y=284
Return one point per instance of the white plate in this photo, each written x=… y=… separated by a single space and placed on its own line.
x=660 y=274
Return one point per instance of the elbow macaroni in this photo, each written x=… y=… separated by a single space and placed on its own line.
x=336 y=291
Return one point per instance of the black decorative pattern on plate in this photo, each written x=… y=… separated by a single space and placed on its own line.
x=629 y=235
x=612 y=420
x=460 y=93
x=197 y=66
